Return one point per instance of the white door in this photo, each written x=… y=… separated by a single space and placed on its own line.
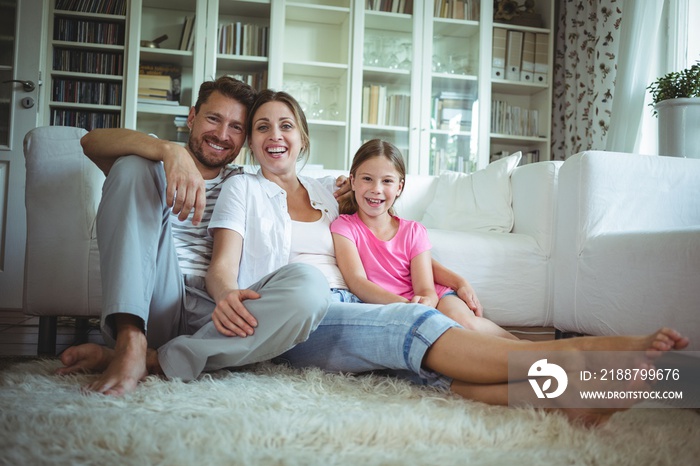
x=20 y=56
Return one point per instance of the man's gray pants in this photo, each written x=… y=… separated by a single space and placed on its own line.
x=141 y=276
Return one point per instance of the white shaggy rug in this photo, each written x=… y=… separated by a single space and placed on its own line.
x=274 y=415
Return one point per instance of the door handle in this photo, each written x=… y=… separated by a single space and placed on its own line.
x=28 y=86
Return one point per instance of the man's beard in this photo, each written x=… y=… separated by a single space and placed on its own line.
x=195 y=145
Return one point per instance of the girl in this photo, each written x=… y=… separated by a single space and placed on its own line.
x=386 y=259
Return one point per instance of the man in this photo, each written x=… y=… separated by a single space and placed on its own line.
x=154 y=253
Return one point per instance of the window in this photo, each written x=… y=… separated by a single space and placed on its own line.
x=678 y=48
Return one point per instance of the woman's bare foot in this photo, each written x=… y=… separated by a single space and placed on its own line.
x=88 y=357
x=664 y=339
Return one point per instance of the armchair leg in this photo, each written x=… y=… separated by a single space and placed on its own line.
x=47 y=336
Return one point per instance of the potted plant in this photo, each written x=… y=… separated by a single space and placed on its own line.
x=676 y=102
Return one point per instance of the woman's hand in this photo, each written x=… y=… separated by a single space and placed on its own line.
x=231 y=318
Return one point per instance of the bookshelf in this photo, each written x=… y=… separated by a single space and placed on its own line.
x=86 y=59
x=428 y=64
x=521 y=100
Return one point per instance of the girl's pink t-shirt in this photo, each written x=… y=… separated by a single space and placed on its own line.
x=387 y=263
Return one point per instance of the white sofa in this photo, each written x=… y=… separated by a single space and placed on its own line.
x=601 y=244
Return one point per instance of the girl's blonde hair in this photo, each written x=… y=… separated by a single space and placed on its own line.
x=370 y=149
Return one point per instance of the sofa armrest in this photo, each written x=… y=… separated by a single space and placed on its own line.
x=534 y=201
x=632 y=283
x=606 y=192
x=63 y=192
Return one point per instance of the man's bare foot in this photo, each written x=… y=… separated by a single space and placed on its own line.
x=127 y=366
x=88 y=357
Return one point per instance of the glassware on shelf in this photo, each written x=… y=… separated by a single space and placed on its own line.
x=458 y=64
x=372 y=50
x=295 y=89
x=405 y=64
x=316 y=110
x=438 y=63
x=331 y=94
x=390 y=53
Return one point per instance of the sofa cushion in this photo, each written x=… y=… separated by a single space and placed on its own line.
x=508 y=271
x=479 y=201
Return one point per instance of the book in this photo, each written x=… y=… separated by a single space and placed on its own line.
x=155 y=100
x=527 y=67
x=498 y=61
x=541 y=57
x=187 y=29
x=514 y=55
x=161 y=76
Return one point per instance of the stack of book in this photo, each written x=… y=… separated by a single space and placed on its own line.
x=243 y=39
x=182 y=131
x=457 y=9
x=159 y=83
x=520 y=56
x=513 y=120
x=453 y=111
x=378 y=108
x=390 y=6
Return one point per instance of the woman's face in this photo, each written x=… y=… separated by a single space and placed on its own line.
x=275 y=138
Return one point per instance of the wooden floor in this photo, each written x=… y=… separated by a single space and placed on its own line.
x=19 y=333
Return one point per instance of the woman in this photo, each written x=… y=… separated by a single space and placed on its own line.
x=274 y=217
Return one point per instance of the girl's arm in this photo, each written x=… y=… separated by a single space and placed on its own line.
x=448 y=278
x=230 y=316
x=353 y=271
x=422 y=280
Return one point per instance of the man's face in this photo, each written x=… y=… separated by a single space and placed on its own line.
x=217 y=131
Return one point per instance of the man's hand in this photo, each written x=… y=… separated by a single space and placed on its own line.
x=186 y=188
x=467 y=294
x=230 y=316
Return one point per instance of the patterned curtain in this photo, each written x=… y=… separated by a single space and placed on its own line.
x=585 y=65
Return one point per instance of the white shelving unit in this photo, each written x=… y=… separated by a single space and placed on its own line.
x=86 y=65
x=325 y=53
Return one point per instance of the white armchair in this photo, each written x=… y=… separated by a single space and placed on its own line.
x=62 y=270
x=627 y=248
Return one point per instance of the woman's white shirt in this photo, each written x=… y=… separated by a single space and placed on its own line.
x=256 y=208
x=312 y=243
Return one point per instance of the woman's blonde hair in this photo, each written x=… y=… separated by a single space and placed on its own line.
x=370 y=149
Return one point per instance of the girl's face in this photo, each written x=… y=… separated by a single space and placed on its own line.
x=275 y=138
x=376 y=185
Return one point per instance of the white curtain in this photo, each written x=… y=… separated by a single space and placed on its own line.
x=639 y=45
